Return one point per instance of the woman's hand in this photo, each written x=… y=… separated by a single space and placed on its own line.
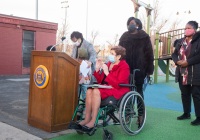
x=89 y=64
x=179 y=62
x=105 y=69
x=182 y=63
x=99 y=63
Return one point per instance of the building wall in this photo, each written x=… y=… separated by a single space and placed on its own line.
x=10 y=51
x=11 y=29
x=44 y=39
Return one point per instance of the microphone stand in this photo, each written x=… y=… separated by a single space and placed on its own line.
x=63 y=38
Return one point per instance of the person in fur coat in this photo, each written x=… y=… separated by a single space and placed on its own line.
x=139 y=52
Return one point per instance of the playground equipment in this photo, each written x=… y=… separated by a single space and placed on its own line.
x=137 y=4
x=163 y=66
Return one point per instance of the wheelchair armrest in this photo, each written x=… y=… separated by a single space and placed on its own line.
x=126 y=85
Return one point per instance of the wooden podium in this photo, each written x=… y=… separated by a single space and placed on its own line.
x=53 y=90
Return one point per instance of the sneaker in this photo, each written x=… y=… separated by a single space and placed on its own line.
x=196 y=122
x=184 y=116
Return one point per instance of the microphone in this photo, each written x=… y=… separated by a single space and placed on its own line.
x=63 y=38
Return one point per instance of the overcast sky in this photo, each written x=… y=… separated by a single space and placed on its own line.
x=107 y=17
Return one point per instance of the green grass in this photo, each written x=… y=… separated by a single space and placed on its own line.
x=160 y=125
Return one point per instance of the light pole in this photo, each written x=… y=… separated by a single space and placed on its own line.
x=86 y=18
x=65 y=6
x=36 y=9
x=65 y=24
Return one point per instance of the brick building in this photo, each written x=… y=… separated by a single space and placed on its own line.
x=18 y=37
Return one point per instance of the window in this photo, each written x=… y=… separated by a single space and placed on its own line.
x=27 y=47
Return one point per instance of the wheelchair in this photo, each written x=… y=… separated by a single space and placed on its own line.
x=129 y=112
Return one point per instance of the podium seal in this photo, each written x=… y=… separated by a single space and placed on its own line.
x=41 y=76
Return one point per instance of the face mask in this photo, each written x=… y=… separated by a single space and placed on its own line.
x=132 y=28
x=76 y=43
x=111 y=58
x=189 y=32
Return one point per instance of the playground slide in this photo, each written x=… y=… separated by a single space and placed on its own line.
x=162 y=64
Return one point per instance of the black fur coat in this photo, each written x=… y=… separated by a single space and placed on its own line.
x=139 y=53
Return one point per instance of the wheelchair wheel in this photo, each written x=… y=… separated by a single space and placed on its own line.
x=132 y=113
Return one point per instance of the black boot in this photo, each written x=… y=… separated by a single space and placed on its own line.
x=196 y=121
x=184 y=116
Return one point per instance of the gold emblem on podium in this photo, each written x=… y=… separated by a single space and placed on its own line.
x=41 y=76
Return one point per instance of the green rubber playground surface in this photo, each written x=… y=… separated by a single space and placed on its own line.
x=163 y=104
x=161 y=124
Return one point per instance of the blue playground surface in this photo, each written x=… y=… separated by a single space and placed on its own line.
x=164 y=95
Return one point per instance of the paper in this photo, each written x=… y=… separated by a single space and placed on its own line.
x=100 y=86
x=84 y=68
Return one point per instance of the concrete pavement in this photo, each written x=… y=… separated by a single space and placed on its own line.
x=14 y=92
x=8 y=132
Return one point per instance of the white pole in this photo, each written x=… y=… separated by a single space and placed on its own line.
x=37 y=9
x=86 y=19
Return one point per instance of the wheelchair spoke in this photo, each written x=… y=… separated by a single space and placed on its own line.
x=132 y=113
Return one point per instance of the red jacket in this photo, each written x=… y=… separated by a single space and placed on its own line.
x=118 y=75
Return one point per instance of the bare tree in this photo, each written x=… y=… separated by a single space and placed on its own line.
x=116 y=38
x=158 y=20
x=175 y=25
x=94 y=35
x=143 y=20
x=62 y=31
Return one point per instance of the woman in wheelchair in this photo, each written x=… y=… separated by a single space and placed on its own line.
x=113 y=73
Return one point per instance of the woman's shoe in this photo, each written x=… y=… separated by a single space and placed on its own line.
x=87 y=129
x=184 y=116
x=74 y=125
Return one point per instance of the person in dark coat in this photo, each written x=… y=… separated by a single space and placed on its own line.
x=187 y=58
x=139 y=52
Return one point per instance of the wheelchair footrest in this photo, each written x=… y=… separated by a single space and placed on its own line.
x=89 y=131
x=81 y=129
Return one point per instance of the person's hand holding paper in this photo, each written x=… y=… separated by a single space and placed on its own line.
x=84 y=68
